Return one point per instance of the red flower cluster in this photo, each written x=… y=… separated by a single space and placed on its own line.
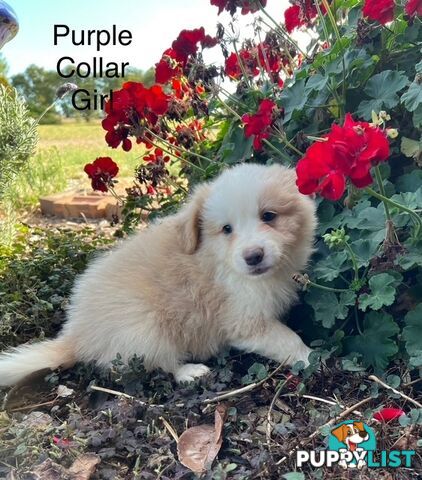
x=347 y=152
x=263 y=55
x=387 y=414
x=247 y=6
x=101 y=172
x=259 y=123
x=413 y=8
x=301 y=13
x=128 y=107
x=380 y=10
x=157 y=157
x=174 y=59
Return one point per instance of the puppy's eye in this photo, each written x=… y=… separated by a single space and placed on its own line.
x=227 y=229
x=267 y=217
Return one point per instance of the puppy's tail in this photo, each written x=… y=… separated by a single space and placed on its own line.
x=19 y=362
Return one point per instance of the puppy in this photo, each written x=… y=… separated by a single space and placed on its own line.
x=218 y=273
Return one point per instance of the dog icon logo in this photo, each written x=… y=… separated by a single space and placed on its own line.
x=352 y=440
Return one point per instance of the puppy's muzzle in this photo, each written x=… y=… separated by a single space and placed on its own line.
x=253 y=256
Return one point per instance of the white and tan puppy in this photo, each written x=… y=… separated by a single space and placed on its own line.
x=218 y=273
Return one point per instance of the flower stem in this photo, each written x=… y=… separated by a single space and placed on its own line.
x=415 y=217
x=281 y=31
x=338 y=37
x=354 y=261
x=382 y=190
x=180 y=149
x=275 y=149
x=241 y=65
x=327 y=289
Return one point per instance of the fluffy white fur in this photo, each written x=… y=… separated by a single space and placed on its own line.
x=181 y=289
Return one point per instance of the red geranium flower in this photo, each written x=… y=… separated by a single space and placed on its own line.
x=348 y=151
x=388 y=414
x=380 y=10
x=249 y=62
x=259 y=123
x=157 y=157
x=301 y=13
x=413 y=7
x=247 y=6
x=128 y=108
x=101 y=172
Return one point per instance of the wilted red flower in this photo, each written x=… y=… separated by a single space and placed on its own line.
x=249 y=62
x=157 y=157
x=388 y=414
x=101 y=172
x=301 y=13
x=259 y=123
x=247 y=6
x=413 y=7
x=348 y=151
x=174 y=59
x=380 y=10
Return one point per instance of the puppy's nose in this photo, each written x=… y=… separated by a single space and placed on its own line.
x=253 y=256
x=362 y=434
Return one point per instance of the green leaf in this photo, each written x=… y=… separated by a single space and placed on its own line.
x=382 y=88
x=330 y=267
x=294 y=476
x=410 y=148
x=365 y=249
x=409 y=182
x=383 y=292
x=417 y=117
x=413 y=97
x=370 y=218
x=412 y=332
x=375 y=343
x=293 y=98
x=411 y=200
x=327 y=307
x=409 y=260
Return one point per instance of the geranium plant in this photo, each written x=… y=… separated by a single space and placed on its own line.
x=343 y=108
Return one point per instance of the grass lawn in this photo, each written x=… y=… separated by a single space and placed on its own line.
x=62 y=153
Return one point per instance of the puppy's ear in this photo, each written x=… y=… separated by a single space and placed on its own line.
x=340 y=433
x=359 y=426
x=189 y=219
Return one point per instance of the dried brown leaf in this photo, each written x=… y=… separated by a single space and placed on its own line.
x=84 y=466
x=198 y=446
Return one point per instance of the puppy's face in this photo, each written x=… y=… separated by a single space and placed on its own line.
x=255 y=222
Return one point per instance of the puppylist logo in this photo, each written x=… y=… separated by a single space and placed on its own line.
x=352 y=444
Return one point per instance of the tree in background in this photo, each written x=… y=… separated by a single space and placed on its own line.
x=38 y=86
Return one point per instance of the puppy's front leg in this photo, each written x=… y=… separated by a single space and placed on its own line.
x=277 y=342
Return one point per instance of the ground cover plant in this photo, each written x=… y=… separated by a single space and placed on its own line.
x=345 y=111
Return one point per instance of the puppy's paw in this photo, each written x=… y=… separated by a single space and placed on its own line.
x=190 y=371
x=303 y=354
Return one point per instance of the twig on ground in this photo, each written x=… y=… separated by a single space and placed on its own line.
x=270 y=409
x=328 y=424
x=322 y=400
x=28 y=407
x=125 y=395
x=170 y=429
x=374 y=378
x=245 y=389
x=413 y=382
